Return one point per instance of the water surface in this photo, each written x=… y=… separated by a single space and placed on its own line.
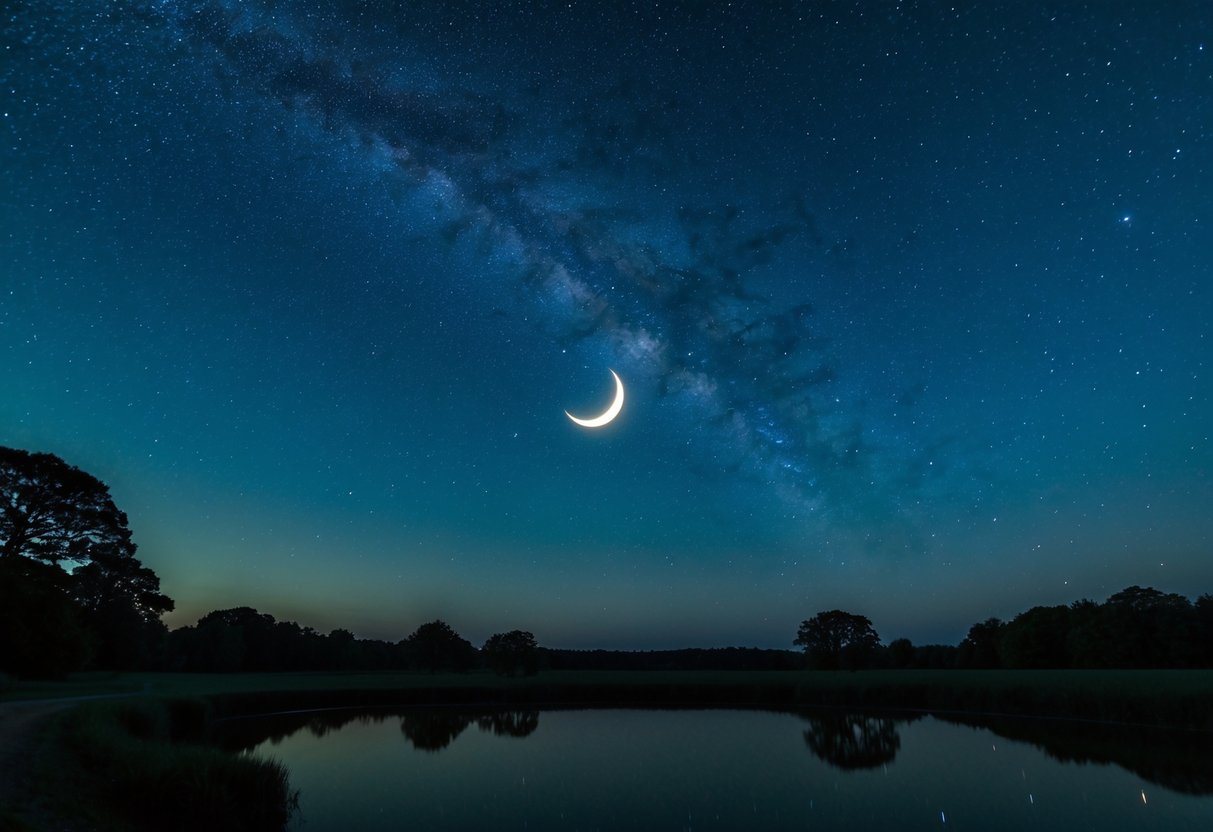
x=729 y=769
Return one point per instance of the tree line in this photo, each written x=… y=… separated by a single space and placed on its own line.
x=1134 y=628
x=245 y=640
x=74 y=595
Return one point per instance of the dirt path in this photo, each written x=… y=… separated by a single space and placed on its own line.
x=17 y=723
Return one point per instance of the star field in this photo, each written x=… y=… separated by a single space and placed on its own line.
x=911 y=301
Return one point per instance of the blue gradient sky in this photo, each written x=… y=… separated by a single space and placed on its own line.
x=912 y=306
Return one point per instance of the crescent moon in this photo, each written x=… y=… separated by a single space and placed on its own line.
x=610 y=413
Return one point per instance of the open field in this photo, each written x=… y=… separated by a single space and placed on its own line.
x=1181 y=698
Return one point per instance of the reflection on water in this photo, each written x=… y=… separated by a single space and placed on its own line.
x=852 y=741
x=510 y=723
x=613 y=769
x=431 y=729
x=1178 y=760
x=434 y=730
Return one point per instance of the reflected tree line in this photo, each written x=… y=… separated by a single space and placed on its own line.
x=847 y=741
x=429 y=730
x=1177 y=760
x=74 y=595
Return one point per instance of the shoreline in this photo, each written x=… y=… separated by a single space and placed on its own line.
x=1160 y=698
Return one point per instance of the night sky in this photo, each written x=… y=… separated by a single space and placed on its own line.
x=911 y=302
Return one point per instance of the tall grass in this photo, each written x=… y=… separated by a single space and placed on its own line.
x=142 y=763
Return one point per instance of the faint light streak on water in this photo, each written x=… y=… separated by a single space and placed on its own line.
x=1143 y=796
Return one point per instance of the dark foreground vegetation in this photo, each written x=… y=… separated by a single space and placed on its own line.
x=147 y=763
x=1175 y=698
x=1182 y=699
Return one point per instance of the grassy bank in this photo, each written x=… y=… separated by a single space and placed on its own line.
x=1180 y=699
x=144 y=763
x=1175 y=698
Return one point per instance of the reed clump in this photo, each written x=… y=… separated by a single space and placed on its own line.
x=144 y=764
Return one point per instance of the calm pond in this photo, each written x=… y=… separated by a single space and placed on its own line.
x=728 y=769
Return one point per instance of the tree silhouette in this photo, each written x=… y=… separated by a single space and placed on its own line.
x=436 y=646
x=112 y=580
x=54 y=512
x=1036 y=639
x=512 y=652
x=216 y=644
x=42 y=632
x=837 y=639
x=980 y=647
x=901 y=653
x=1136 y=627
x=1202 y=612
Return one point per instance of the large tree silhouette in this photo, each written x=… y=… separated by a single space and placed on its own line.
x=512 y=652
x=55 y=514
x=436 y=646
x=1136 y=627
x=42 y=630
x=979 y=649
x=837 y=639
x=1036 y=638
